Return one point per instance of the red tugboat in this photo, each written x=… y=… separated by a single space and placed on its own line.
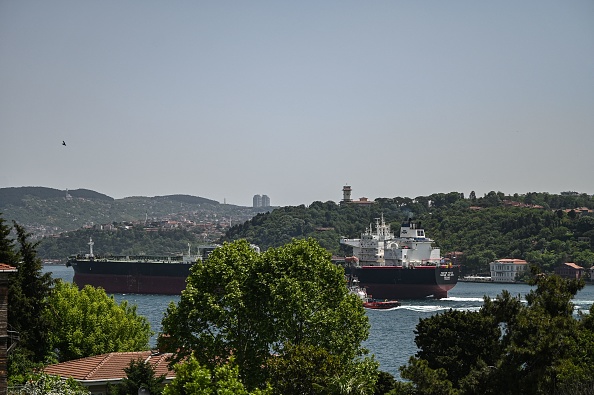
x=368 y=301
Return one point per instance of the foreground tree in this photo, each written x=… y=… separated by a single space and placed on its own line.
x=89 y=322
x=507 y=347
x=7 y=248
x=50 y=385
x=193 y=378
x=27 y=294
x=139 y=374
x=252 y=306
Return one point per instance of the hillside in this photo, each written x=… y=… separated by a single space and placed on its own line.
x=542 y=228
x=48 y=211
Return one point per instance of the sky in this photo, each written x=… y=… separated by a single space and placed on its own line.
x=294 y=100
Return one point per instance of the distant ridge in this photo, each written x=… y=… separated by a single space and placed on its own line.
x=15 y=195
x=50 y=211
x=188 y=199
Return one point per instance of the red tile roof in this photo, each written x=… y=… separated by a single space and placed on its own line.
x=573 y=265
x=108 y=367
x=514 y=261
x=7 y=268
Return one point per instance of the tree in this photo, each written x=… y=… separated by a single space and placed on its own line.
x=456 y=341
x=303 y=370
x=427 y=381
x=51 y=385
x=27 y=295
x=139 y=374
x=193 y=378
x=509 y=347
x=89 y=322
x=7 y=253
x=252 y=305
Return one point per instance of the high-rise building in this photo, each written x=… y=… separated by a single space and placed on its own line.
x=257 y=201
x=265 y=201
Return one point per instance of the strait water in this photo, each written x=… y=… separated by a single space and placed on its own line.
x=391 y=337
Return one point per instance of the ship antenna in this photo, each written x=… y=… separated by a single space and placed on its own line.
x=91 y=246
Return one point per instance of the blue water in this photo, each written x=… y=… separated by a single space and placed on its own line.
x=391 y=337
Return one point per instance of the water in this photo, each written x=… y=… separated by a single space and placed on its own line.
x=391 y=337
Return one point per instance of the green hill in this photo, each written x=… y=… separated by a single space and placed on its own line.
x=542 y=228
x=48 y=211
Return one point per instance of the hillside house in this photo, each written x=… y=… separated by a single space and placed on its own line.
x=570 y=270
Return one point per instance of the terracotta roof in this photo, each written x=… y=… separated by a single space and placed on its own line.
x=573 y=265
x=7 y=268
x=108 y=367
x=510 y=260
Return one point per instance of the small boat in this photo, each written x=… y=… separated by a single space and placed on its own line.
x=381 y=304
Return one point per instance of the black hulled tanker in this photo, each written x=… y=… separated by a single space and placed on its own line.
x=135 y=274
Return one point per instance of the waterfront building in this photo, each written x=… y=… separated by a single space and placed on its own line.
x=570 y=270
x=507 y=270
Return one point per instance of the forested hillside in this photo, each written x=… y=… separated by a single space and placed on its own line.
x=544 y=229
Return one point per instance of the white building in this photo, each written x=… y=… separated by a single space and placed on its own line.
x=507 y=270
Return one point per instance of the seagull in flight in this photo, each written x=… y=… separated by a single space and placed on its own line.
x=63 y=143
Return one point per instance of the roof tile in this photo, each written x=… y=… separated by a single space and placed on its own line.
x=110 y=366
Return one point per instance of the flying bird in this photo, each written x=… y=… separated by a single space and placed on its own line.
x=63 y=143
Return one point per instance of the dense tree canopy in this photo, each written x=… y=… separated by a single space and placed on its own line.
x=50 y=385
x=252 y=306
x=542 y=228
x=507 y=347
x=89 y=322
x=193 y=378
x=139 y=374
x=28 y=289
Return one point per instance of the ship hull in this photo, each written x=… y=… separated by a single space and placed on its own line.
x=396 y=282
x=132 y=277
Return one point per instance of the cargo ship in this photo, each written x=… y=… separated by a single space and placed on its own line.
x=404 y=267
x=140 y=274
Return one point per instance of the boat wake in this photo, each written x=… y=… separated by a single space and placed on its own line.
x=459 y=299
x=424 y=308
x=436 y=308
x=390 y=309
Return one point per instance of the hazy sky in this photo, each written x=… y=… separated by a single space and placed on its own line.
x=227 y=99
